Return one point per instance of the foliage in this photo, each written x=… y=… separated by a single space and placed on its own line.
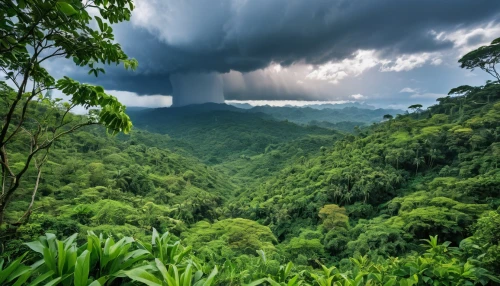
x=102 y=261
x=230 y=237
x=247 y=194
x=33 y=32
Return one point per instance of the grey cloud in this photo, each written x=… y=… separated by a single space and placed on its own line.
x=476 y=39
x=263 y=85
x=196 y=88
x=219 y=36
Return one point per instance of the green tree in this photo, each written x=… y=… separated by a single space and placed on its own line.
x=485 y=58
x=31 y=33
x=415 y=107
x=334 y=216
x=388 y=117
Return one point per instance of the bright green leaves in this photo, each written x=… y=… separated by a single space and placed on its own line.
x=15 y=271
x=82 y=268
x=59 y=258
x=113 y=117
x=171 y=264
x=141 y=274
x=111 y=112
x=101 y=260
x=66 y=8
x=115 y=10
x=431 y=268
x=64 y=262
x=131 y=64
x=171 y=275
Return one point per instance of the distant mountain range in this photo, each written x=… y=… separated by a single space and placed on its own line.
x=332 y=116
x=315 y=106
x=310 y=115
x=241 y=105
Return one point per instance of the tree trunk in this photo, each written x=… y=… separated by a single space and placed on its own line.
x=27 y=214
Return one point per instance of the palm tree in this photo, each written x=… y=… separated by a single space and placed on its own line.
x=346 y=197
x=122 y=180
x=433 y=153
x=417 y=161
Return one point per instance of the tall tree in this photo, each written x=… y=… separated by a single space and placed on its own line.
x=31 y=33
x=485 y=58
x=415 y=107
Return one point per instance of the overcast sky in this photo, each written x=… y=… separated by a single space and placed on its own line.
x=384 y=52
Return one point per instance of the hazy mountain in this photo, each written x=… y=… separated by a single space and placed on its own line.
x=214 y=132
x=306 y=115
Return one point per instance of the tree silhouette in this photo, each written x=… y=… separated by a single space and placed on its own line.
x=485 y=58
x=388 y=117
x=415 y=107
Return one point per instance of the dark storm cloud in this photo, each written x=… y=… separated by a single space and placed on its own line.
x=203 y=36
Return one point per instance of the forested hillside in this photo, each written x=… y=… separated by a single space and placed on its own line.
x=226 y=132
x=320 y=199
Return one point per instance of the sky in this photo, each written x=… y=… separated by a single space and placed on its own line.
x=387 y=53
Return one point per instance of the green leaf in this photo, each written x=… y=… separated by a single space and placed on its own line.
x=42 y=278
x=141 y=275
x=21 y=4
x=36 y=246
x=99 y=22
x=391 y=282
x=50 y=260
x=187 y=275
x=272 y=282
x=54 y=281
x=23 y=278
x=4 y=274
x=100 y=282
x=82 y=269
x=293 y=281
x=68 y=242
x=11 y=40
x=288 y=268
x=257 y=282
x=20 y=270
x=161 y=268
x=173 y=275
x=211 y=277
x=66 y=8
x=262 y=255
x=61 y=257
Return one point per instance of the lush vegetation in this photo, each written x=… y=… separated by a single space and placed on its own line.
x=348 y=201
x=31 y=33
x=226 y=131
x=240 y=197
